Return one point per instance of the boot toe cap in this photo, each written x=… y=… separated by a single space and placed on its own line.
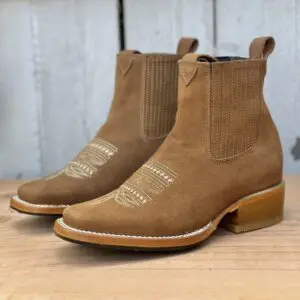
x=89 y=216
x=45 y=193
x=32 y=192
x=111 y=218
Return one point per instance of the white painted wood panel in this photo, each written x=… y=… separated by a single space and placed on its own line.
x=19 y=130
x=156 y=26
x=57 y=60
x=75 y=45
x=238 y=22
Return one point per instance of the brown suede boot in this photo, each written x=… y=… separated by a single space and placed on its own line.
x=221 y=161
x=142 y=114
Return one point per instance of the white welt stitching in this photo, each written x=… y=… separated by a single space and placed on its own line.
x=186 y=235
x=17 y=198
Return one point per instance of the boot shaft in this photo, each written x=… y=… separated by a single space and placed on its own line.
x=221 y=103
x=145 y=98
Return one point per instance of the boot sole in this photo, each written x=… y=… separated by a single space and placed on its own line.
x=25 y=207
x=253 y=212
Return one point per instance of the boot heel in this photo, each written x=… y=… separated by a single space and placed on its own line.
x=256 y=211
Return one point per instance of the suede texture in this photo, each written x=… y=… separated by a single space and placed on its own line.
x=122 y=130
x=224 y=146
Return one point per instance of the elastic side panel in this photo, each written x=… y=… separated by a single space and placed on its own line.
x=159 y=96
x=236 y=97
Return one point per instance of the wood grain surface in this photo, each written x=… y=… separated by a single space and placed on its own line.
x=34 y=264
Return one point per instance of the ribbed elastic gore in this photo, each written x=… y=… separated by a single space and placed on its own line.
x=159 y=95
x=236 y=91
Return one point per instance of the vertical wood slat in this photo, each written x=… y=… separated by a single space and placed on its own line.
x=57 y=65
x=57 y=61
x=76 y=46
x=156 y=26
x=19 y=134
x=238 y=22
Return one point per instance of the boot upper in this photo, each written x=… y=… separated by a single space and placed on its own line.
x=224 y=146
x=142 y=114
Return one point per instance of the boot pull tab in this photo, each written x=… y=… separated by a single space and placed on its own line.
x=187 y=45
x=261 y=47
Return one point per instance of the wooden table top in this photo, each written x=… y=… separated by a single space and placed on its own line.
x=35 y=264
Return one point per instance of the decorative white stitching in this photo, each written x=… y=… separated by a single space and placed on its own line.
x=93 y=156
x=18 y=199
x=151 y=179
x=125 y=63
x=180 y=236
x=188 y=74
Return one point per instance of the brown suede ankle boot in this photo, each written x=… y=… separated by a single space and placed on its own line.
x=142 y=114
x=222 y=161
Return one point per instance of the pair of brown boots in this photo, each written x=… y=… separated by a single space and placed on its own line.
x=188 y=144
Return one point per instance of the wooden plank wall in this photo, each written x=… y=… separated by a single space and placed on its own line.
x=156 y=26
x=226 y=27
x=57 y=61
x=19 y=128
x=57 y=66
